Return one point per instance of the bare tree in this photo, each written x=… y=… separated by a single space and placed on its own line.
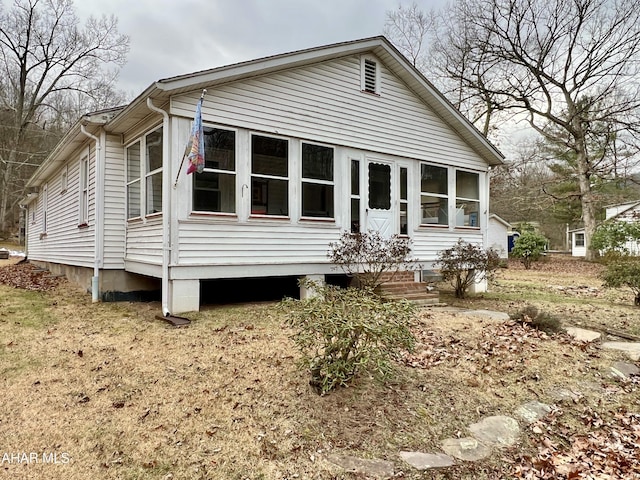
x=47 y=57
x=569 y=65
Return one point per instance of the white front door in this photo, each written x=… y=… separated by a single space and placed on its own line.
x=380 y=202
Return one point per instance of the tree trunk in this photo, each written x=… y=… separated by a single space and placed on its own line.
x=587 y=202
x=4 y=192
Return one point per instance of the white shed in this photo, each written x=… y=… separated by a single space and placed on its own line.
x=498 y=235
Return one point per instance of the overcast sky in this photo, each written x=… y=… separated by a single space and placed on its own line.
x=174 y=37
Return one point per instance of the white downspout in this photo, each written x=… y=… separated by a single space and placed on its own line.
x=99 y=202
x=166 y=205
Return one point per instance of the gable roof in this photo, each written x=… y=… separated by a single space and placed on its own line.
x=119 y=120
x=161 y=91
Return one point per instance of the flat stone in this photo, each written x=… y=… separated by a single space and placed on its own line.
x=499 y=430
x=624 y=370
x=533 y=411
x=489 y=314
x=468 y=449
x=427 y=461
x=630 y=348
x=379 y=469
x=560 y=394
x=583 y=334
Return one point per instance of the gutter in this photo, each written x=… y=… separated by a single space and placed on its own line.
x=99 y=227
x=166 y=205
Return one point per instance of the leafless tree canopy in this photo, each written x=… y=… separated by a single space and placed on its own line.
x=49 y=64
x=570 y=65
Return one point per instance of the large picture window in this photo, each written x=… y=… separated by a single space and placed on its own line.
x=269 y=176
x=153 y=185
x=467 y=199
x=434 y=195
x=214 y=190
x=133 y=181
x=317 y=181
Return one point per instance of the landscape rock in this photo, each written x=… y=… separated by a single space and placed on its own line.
x=488 y=314
x=426 y=461
x=499 y=430
x=630 y=348
x=533 y=411
x=374 y=468
x=468 y=449
x=624 y=370
x=583 y=334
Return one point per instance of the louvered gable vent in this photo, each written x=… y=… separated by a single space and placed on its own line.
x=370 y=68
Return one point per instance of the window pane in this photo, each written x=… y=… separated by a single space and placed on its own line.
x=317 y=200
x=269 y=156
x=579 y=239
x=355 y=215
x=355 y=177
x=154 y=150
x=133 y=199
x=214 y=192
x=269 y=196
x=219 y=149
x=133 y=162
x=403 y=184
x=403 y=219
x=379 y=186
x=317 y=162
x=434 y=179
x=154 y=193
x=467 y=185
x=467 y=214
x=434 y=210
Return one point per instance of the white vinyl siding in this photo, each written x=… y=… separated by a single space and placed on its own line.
x=114 y=204
x=323 y=103
x=64 y=242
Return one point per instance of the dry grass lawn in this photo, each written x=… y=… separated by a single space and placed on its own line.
x=116 y=393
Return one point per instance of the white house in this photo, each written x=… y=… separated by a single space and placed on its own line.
x=299 y=147
x=623 y=212
x=498 y=235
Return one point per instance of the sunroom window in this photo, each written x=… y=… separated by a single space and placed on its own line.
x=133 y=181
x=467 y=199
x=214 y=190
x=434 y=195
x=269 y=176
x=153 y=144
x=317 y=181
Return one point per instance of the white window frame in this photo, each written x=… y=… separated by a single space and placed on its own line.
x=467 y=199
x=129 y=182
x=357 y=196
x=148 y=175
x=83 y=201
x=45 y=201
x=271 y=177
x=64 y=179
x=233 y=172
x=447 y=195
x=363 y=74
x=317 y=181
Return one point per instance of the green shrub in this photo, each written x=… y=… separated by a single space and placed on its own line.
x=529 y=248
x=368 y=255
x=342 y=332
x=624 y=272
x=464 y=263
x=612 y=239
x=543 y=321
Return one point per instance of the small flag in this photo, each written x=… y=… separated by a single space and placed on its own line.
x=195 y=146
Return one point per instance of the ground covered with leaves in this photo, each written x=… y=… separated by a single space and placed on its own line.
x=124 y=395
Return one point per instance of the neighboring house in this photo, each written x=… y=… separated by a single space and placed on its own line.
x=623 y=212
x=498 y=235
x=299 y=147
